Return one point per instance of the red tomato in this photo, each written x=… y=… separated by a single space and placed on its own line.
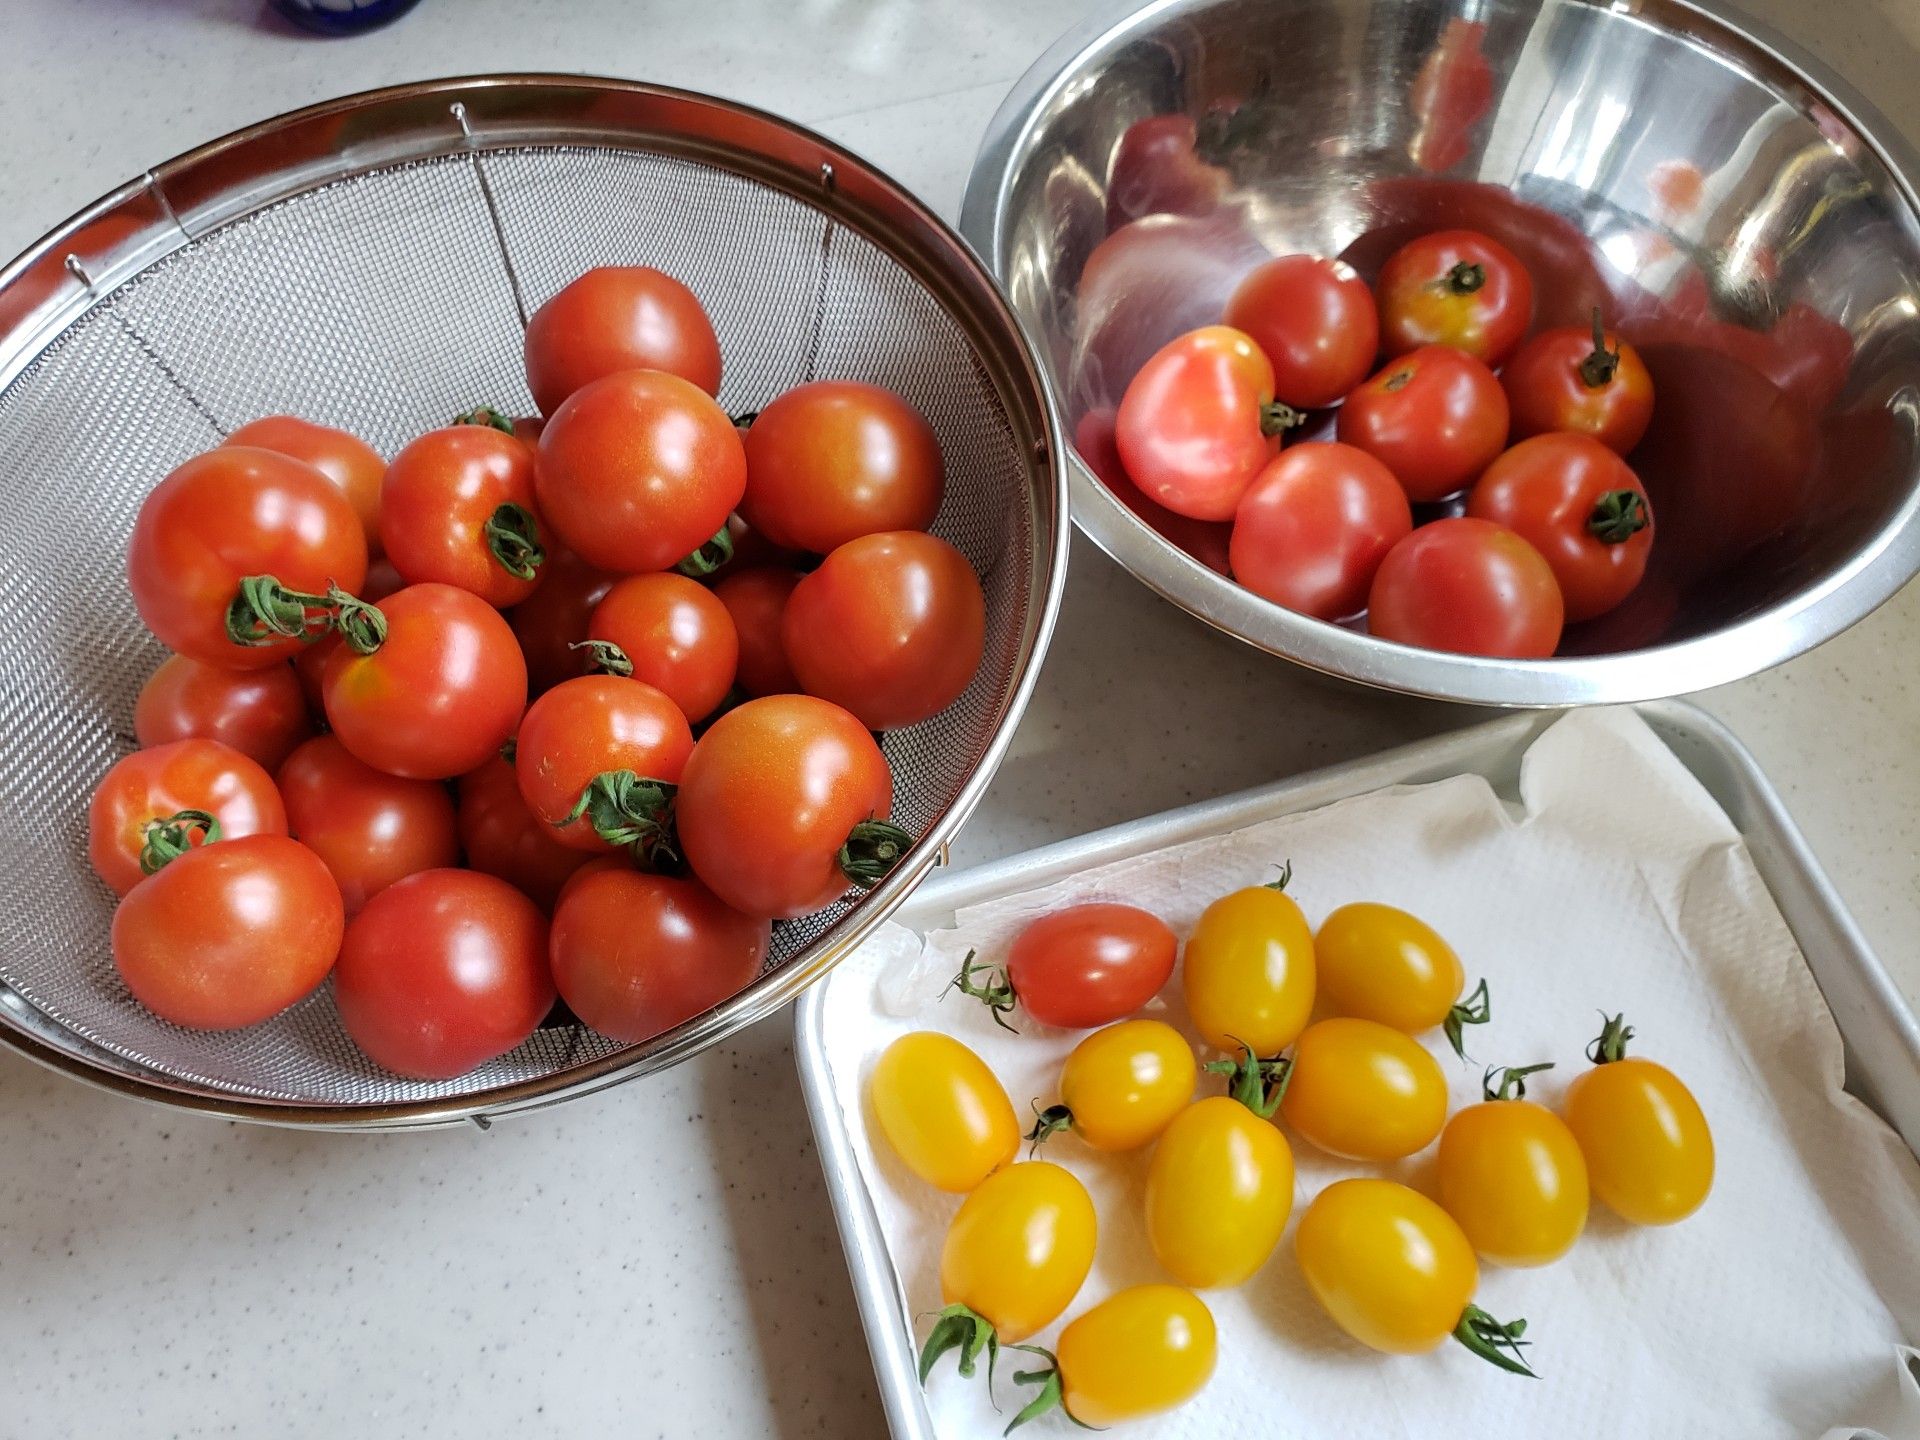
x=126 y=819
x=427 y=685
x=229 y=935
x=1578 y=504
x=1204 y=540
x=347 y=460
x=223 y=517
x=549 y=622
x=260 y=713
x=1470 y=586
x=1198 y=422
x=1314 y=526
x=890 y=627
x=639 y=470
x=458 y=509
x=635 y=954
x=1590 y=382
x=782 y=806
x=757 y=602
x=619 y=317
x=310 y=664
x=370 y=828
x=1458 y=288
x=1156 y=170
x=502 y=837
x=584 y=754
x=1436 y=418
x=672 y=633
x=833 y=460
x=442 y=972
x=1090 y=964
x=1315 y=320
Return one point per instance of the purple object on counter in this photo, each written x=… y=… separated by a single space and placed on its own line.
x=342 y=17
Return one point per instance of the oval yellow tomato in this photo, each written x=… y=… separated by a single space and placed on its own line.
x=1248 y=971
x=942 y=1111
x=1649 y=1152
x=1389 y=1265
x=1511 y=1174
x=1219 y=1191
x=1121 y=1086
x=1019 y=1249
x=1375 y=962
x=1136 y=1353
x=1364 y=1091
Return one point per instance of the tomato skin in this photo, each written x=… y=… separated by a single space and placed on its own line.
x=500 y=836
x=1204 y=540
x=310 y=662
x=678 y=635
x=440 y=494
x=942 y=1111
x=352 y=465
x=555 y=617
x=1648 y=1150
x=636 y=471
x=1219 y=1191
x=1136 y=1353
x=1126 y=1083
x=157 y=784
x=756 y=600
x=768 y=797
x=1314 y=526
x=1315 y=320
x=1435 y=417
x=586 y=727
x=1390 y=1266
x=1511 y=1174
x=442 y=692
x=1470 y=586
x=369 y=828
x=635 y=954
x=222 y=516
x=1090 y=964
x=1377 y=963
x=1547 y=391
x=1364 y=1091
x=1190 y=427
x=442 y=972
x=1249 y=971
x=1421 y=304
x=1020 y=1248
x=890 y=628
x=230 y=934
x=618 y=317
x=260 y=713
x=833 y=460
x=1549 y=491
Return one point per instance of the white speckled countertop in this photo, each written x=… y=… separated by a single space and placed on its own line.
x=660 y=1260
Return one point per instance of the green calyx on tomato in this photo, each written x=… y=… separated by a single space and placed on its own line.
x=995 y=991
x=605 y=656
x=513 y=539
x=872 y=849
x=1509 y=1082
x=1277 y=419
x=630 y=812
x=1599 y=368
x=1258 y=1084
x=1495 y=1342
x=1049 y=1397
x=709 y=557
x=1047 y=1122
x=1476 y=1009
x=1285 y=878
x=1618 y=516
x=167 y=840
x=1463 y=279
x=263 y=610
x=488 y=416
x=962 y=1328
x=1611 y=1043
x=362 y=626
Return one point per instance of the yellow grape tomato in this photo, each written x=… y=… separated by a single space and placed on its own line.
x=942 y=1111
x=1649 y=1152
x=1364 y=1091
x=1511 y=1173
x=1390 y=1266
x=1123 y=1085
x=1019 y=1248
x=1248 y=971
x=1375 y=962
x=1136 y=1353
x=1219 y=1191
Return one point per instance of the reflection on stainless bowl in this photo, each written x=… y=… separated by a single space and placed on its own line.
x=1749 y=226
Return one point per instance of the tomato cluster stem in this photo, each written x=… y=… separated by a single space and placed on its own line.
x=872 y=849
x=962 y=1328
x=1476 y=1009
x=1497 y=1342
x=710 y=556
x=513 y=539
x=167 y=840
x=263 y=610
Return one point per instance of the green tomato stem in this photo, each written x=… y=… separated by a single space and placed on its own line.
x=1476 y=1009
x=167 y=840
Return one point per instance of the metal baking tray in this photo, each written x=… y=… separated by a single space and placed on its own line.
x=1881 y=1034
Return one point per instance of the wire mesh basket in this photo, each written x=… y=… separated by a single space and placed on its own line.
x=370 y=263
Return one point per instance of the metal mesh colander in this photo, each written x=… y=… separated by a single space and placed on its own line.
x=369 y=264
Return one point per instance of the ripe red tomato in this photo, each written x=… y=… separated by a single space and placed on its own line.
x=552 y=620
x=1314 y=526
x=890 y=627
x=1590 y=382
x=310 y=664
x=369 y=828
x=1198 y=422
x=618 y=317
x=223 y=517
x=1436 y=418
x=1580 y=506
x=458 y=509
x=782 y=807
x=833 y=460
x=1458 y=288
x=635 y=954
x=231 y=934
x=347 y=460
x=638 y=470
x=260 y=713
x=1204 y=540
x=427 y=685
x=442 y=972
x=585 y=754
x=757 y=601
x=1470 y=586
x=1315 y=320
x=127 y=835
x=672 y=633
x=502 y=837
x=1090 y=964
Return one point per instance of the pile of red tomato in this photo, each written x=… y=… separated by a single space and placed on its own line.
x=1517 y=541
x=342 y=775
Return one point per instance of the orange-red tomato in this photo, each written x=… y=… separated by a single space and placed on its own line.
x=549 y=622
x=1090 y=964
x=1315 y=320
x=757 y=601
x=1199 y=421
x=501 y=836
x=1590 y=382
x=674 y=634
x=583 y=751
x=347 y=460
x=149 y=787
x=260 y=713
x=1470 y=586
x=458 y=508
x=618 y=317
x=1457 y=288
x=1435 y=417
x=1314 y=526
x=370 y=828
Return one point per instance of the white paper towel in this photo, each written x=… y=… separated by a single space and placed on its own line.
x=1616 y=884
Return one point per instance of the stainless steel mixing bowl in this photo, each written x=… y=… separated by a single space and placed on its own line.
x=370 y=263
x=1743 y=218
